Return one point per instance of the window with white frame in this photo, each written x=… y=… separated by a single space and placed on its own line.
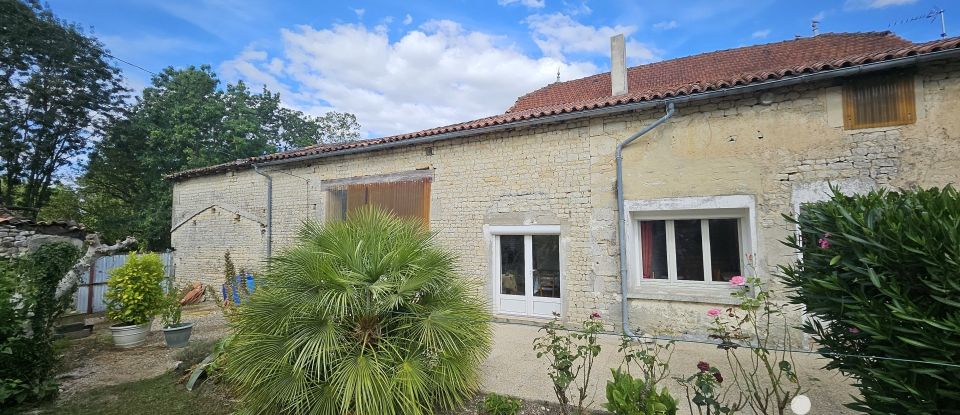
x=691 y=241
x=690 y=249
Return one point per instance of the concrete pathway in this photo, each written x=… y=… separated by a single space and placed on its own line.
x=513 y=369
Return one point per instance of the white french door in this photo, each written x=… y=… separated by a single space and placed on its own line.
x=527 y=271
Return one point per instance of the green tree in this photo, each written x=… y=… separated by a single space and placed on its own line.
x=64 y=205
x=185 y=120
x=365 y=316
x=57 y=90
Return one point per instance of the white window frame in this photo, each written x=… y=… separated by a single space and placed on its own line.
x=742 y=207
x=527 y=231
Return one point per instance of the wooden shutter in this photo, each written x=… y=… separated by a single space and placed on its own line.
x=408 y=198
x=879 y=101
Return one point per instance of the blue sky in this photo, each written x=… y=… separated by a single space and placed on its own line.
x=405 y=66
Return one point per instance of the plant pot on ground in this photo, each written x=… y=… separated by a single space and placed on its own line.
x=175 y=332
x=133 y=297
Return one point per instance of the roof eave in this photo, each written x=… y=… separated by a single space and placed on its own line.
x=588 y=113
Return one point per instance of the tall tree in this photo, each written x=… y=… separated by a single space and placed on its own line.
x=185 y=120
x=57 y=90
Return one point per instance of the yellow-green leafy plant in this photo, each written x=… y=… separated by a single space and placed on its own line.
x=134 y=294
x=362 y=317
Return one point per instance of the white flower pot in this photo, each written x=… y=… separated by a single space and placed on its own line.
x=126 y=336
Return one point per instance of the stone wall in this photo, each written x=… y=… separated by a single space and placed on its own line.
x=16 y=241
x=780 y=148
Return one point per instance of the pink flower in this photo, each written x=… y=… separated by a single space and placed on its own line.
x=713 y=312
x=824 y=242
x=738 y=280
x=703 y=366
x=854 y=330
x=594 y=315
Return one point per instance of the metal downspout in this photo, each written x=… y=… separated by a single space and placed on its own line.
x=621 y=217
x=267 y=249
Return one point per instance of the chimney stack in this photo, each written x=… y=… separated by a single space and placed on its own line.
x=618 y=65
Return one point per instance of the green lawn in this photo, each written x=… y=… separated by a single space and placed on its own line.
x=160 y=395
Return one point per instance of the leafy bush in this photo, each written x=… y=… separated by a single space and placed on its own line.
x=627 y=395
x=170 y=309
x=571 y=355
x=134 y=294
x=29 y=310
x=364 y=316
x=494 y=404
x=882 y=273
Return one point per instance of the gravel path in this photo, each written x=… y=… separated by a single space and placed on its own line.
x=94 y=361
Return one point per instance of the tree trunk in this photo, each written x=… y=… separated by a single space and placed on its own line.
x=95 y=250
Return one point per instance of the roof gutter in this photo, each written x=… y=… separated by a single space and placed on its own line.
x=741 y=89
x=622 y=217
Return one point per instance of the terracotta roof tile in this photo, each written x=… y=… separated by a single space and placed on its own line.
x=672 y=78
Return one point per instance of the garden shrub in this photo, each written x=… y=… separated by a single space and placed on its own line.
x=29 y=310
x=628 y=395
x=495 y=404
x=365 y=316
x=134 y=292
x=570 y=354
x=881 y=274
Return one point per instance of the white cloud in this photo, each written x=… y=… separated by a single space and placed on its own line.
x=819 y=16
x=408 y=19
x=533 y=4
x=437 y=74
x=577 y=8
x=359 y=12
x=761 y=34
x=665 y=25
x=558 y=35
x=875 y=4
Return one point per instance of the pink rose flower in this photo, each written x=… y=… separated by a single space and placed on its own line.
x=594 y=315
x=713 y=312
x=824 y=242
x=738 y=280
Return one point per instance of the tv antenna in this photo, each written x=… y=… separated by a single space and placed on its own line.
x=932 y=16
x=558 y=74
x=815 y=25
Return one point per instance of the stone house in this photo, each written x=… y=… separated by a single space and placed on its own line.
x=528 y=199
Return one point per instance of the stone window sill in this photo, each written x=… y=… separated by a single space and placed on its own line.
x=685 y=293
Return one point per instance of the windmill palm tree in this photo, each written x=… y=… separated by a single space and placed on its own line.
x=364 y=316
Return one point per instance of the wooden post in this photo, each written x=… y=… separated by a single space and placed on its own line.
x=90 y=282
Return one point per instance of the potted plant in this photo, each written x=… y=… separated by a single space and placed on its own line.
x=175 y=333
x=133 y=297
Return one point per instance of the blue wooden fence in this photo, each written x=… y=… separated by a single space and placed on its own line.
x=93 y=284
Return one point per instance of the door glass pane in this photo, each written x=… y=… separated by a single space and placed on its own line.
x=653 y=246
x=511 y=265
x=546 y=266
x=689 y=250
x=724 y=249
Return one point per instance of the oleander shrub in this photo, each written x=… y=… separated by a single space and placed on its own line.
x=29 y=310
x=134 y=291
x=880 y=272
x=365 y=316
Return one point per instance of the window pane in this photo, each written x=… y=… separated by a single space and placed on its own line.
x=724 y=249
x=653 y=246
x=689 y=247
x=511 y=265
x=546 y=266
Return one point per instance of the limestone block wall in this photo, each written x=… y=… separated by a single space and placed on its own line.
x=780 y=148
x=16 y=241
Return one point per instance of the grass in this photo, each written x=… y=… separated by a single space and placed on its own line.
x=159 y=395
